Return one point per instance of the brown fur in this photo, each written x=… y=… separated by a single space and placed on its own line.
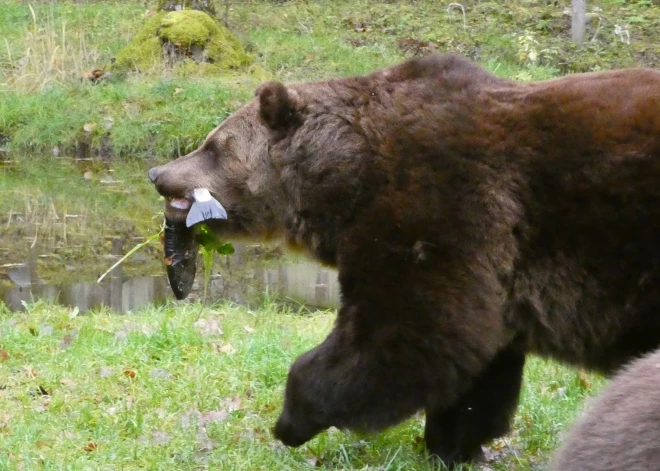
x=620 y=430
x=473 y=220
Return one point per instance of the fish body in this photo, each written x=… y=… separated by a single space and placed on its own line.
x=180 y=244
x=180 y=250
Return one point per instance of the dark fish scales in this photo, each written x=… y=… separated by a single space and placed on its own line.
x=180 y=242
x=180 y=257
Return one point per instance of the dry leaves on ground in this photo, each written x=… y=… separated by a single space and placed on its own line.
x=67 y=339
x=130 y=372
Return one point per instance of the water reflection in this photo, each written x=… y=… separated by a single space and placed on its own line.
x=307 y=283
x=242 y=278
x=117 y=291
x=121 y=295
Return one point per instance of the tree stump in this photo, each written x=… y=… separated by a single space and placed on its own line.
x=177 y=5
x=186 y=41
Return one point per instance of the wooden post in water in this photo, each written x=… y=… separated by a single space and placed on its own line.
x=579 y=19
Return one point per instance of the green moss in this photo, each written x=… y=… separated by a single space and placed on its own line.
x=188 y=27
x=190 y=68
x=144 y=52
x=186 y=31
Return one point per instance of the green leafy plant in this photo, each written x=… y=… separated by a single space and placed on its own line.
x=210 y=245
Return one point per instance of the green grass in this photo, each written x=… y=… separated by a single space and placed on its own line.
x=226 y=363
x=45 y=102
x=162 y=118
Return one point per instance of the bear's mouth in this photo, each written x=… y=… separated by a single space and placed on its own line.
x=180 y=204
x=196 y=207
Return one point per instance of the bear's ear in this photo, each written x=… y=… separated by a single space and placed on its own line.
x=278 y=105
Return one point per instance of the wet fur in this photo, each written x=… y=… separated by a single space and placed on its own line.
x=473 y=220
x=620 y=429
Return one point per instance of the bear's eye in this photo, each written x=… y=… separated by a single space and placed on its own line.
x=212 y=146
x=220 y=146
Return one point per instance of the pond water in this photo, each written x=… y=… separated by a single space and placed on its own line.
x=23 y=284
x=304 y=282
x=52 y=251
x=239 y=278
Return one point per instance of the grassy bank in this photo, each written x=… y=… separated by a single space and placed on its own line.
x=50 y=45
x=191 y=388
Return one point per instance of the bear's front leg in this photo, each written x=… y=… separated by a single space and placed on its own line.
x=350 y=383
x=372 y=373
x=420 y=323
x=455 y=434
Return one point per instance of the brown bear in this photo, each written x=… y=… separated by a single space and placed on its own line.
x=472 y=220
x=620 y=430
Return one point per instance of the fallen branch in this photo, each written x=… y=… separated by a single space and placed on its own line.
x=131 y=252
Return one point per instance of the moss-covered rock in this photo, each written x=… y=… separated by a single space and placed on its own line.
x=169 y=39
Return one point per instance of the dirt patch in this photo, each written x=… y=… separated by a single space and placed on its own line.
x=417 y=47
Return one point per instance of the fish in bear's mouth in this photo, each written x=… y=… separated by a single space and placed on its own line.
x=201 y=206
x=179 y=243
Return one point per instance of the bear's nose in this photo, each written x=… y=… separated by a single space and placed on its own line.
x=153 y=174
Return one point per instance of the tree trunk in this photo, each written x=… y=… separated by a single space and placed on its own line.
x=176 y=5
x=579 y=21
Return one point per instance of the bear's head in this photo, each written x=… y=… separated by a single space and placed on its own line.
x=290 y=164
x=233 y=164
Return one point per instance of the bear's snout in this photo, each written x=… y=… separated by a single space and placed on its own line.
x=158 y=177
x=178 y=178
x=153 y=174
x=292 y=429
x=286 y=431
